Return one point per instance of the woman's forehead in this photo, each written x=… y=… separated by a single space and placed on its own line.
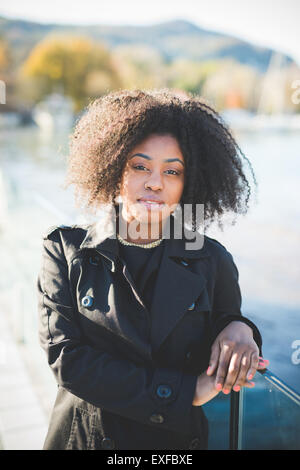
x=158 y=146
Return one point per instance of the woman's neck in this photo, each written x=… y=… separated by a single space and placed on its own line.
x=139 y=233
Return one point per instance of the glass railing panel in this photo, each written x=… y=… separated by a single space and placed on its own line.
x=217 y=412
x=269 y=416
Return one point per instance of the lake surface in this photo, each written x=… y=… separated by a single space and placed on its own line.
x=265 y=243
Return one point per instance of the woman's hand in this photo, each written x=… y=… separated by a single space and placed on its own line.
x=235 y=358
x=205 y=389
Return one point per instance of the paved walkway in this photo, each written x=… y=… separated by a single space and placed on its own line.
x=24 y=405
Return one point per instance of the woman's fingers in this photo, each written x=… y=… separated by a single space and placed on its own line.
x=248 y=368
x=224 y=361
x=254 y=362
x=244 y=368
x=214 y=358
x=235 y=370
x=234 y=366
x=263 y=363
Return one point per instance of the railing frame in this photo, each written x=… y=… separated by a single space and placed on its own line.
x=236 y=407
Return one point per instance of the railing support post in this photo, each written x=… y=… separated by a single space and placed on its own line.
x=235 y=422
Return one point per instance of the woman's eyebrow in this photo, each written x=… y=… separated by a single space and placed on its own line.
x=149 y=158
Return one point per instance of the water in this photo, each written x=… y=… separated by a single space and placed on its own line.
x=265 y=243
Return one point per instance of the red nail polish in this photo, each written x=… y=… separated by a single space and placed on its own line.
x=261 y=359
x=236 y=388
x=225 y=391
x=219 y=386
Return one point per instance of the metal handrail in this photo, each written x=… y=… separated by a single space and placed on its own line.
x=280 y=385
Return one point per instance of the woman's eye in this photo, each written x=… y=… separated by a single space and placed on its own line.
x=137 y=167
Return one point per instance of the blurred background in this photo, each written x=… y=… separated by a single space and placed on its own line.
x=241 y=56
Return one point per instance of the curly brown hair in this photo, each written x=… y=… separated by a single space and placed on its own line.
x=115 y=123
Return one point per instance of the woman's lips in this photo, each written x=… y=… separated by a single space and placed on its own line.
x=151 y=204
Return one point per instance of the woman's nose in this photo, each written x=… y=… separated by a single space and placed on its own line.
x=154 y=182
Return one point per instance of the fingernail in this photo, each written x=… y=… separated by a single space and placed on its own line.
x=208 y=370
x=252 y=383
x=263 y=360
x=250 y=376
x=225 y=391
x=263 y=365
x=236 y=388
x=219 y=386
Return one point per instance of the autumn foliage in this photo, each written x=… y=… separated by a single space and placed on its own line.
x=74 y=66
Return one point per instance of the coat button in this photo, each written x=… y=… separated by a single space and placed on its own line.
x=163 y=391
x=157 y=418
x=107 y=443
x=195 y=444
x=87 y=301
x=191 y=307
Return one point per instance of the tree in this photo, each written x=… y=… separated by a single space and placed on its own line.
x=7 y=75
x=4 y=56
x=74 y=66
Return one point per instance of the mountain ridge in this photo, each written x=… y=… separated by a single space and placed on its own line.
x=173 y=39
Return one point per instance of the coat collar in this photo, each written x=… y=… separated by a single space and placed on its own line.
x=101 y=235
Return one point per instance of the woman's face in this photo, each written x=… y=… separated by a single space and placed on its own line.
x=154 y=171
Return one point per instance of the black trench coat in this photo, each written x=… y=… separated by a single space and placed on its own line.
x=127 y=376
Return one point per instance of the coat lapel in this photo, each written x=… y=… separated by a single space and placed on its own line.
x=176 y=288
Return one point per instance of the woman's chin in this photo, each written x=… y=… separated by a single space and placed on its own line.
x=151 y=216
x=146 y=214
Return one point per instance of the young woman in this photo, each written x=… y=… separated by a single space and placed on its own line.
x=140 y=325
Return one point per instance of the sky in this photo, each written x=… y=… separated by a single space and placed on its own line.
x=270 y=23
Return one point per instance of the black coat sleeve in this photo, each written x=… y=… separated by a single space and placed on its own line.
x=96 y=375
x=227 y=299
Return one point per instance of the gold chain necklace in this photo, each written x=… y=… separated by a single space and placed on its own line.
x=145 y=245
